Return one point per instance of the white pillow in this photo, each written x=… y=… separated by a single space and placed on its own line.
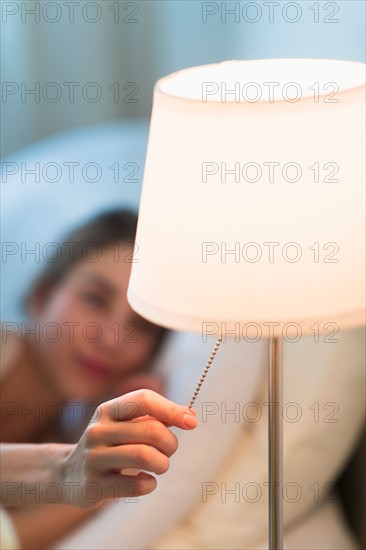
x=39 y=211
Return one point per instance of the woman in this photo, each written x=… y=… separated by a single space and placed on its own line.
x=80 y=346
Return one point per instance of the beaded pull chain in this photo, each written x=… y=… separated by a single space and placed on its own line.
x=198 y=387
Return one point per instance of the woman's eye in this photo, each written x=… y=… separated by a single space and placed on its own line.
x=94 y=299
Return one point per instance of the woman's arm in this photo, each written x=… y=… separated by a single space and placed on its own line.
x=27 y=477
x=40 y=526
x=124 y=433
x=28 y=469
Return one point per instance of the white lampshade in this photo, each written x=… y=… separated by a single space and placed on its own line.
x=263 y=159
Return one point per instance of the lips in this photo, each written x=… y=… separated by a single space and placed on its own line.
x=96 y=368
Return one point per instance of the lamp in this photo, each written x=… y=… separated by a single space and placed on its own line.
x=251 y=221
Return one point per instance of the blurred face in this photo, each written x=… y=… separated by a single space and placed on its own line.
x=90 y=337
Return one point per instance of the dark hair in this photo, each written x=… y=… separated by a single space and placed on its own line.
x=101 y=232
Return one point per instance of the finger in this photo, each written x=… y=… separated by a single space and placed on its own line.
x=147 y=402
x=147 y=431
x=141 y=457
x=147 y=417
x=118 y=486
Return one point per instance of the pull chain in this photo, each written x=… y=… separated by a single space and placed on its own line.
x=198 y=387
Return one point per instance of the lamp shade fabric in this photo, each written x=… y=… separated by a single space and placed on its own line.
x=252 y=207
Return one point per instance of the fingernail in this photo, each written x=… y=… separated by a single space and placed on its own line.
x=189 y=420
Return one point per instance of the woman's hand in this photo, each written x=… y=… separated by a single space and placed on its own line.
x=129 y=432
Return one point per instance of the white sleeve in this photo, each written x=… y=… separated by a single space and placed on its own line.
x=234 y=377
x=8 y=536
